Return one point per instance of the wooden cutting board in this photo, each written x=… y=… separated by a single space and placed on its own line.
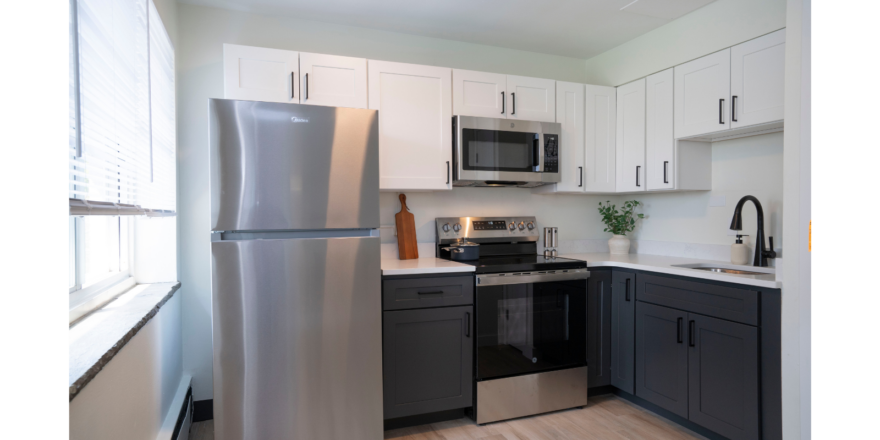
x=407 y=247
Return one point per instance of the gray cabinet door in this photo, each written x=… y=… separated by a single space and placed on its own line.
x=662 y=357
x=723 y=376
x=428 y=360
x=623 y=301
x=599 y=328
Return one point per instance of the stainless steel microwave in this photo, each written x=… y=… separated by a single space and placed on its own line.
x=504 y=152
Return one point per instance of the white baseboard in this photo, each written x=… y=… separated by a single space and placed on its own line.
x=167 y=430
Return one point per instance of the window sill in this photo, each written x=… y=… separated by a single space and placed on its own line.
x=95 y=339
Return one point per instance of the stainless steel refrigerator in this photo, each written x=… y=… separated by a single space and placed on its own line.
x=295 y=271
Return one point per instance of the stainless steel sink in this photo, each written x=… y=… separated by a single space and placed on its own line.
x=731 y=269
x=725 y=270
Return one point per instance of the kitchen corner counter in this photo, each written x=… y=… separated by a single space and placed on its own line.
x=419 y=266
x=666 y=265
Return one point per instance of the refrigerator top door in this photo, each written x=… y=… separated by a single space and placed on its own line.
x=277 y=166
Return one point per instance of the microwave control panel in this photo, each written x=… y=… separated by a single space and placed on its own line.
x=551 y=153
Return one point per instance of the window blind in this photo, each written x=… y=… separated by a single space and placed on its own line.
x=162 y=194
x=71 y=97
x=125 y=67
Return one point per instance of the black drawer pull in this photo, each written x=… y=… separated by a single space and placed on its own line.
x=433 y=292
x=691 y=333
x=467 y=318
x=503 y=103
x=626 y=296
x=678 y=330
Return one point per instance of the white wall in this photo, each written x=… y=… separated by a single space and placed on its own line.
x=130 y=398
x=740 y=167
x=716 y=26
x=797 y=265
x=202 y=32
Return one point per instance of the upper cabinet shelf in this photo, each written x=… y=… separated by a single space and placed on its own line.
x=733 y=93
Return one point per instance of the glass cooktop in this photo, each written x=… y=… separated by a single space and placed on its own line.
x=523 y=263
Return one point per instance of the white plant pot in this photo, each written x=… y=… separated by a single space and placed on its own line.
x=619 y=245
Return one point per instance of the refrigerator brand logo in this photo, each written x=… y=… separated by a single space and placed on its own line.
x=296 y=119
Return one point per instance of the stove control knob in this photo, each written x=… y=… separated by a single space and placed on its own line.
x=511 y=226
x=531 y=225
x=457 y=227
x=446 y=227
x=522 y=226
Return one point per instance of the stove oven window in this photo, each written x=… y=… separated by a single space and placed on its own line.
x=528 y=328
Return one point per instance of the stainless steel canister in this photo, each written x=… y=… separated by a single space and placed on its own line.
x=554 y=236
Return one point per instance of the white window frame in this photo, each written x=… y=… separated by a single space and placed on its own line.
x=83 y=301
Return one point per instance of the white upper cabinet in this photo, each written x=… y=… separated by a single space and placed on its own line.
x=415 y=125
x=631 y=137
x=600 y=134
x=659 y=138
x=531 y=99
x=570 y=113
x=702 y=95
x=260 y=74
x=479 y=94
x=333 y=80
x=757 y=80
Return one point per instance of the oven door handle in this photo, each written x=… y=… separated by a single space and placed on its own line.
x=500 y=279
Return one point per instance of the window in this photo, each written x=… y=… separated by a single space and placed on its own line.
x=122 y=144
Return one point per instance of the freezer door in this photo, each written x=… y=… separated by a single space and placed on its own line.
x=297 y=339
x=277 y=166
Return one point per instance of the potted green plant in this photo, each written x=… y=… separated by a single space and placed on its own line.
x=618 y=223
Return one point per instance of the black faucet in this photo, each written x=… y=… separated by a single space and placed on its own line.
x=761 y=253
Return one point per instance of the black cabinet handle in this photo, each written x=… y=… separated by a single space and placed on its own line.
x=678 y=330
x=513 y=109
x=447 y=172
x=691 y=333
x=307 y=86
x=626 y=296
x=638 y=168
x=733 y=109
x=433 y=292
x=721 y=111
x=665 y=167
x=503 y=103
x=467 y=320
x=292 y=85
x=582 y=176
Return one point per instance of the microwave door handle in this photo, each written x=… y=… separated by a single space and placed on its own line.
x=538 y=151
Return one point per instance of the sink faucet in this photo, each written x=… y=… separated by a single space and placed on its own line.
x=761 y=253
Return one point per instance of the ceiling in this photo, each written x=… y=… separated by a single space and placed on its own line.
x=571 y=28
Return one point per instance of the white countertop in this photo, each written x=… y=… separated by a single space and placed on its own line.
x=663 y=264
x=418 y=266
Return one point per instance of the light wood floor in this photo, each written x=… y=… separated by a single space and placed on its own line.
x=605 y=418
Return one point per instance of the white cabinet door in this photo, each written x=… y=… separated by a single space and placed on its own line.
x=570 y=113
x=479 y=94
x=531 y=99
x=702 y=95
x=600 y=134
x=415 y=125
x=659 y=139
x=333 y=80
x=260 y=74
x=757 y=80
x=631 y=137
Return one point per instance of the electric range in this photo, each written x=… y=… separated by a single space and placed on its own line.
x=530 y=315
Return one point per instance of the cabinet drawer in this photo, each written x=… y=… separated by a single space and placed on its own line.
x=427 y=292
x=740 y=305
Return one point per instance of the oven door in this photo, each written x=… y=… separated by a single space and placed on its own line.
x=530 y=323
x=498 y=150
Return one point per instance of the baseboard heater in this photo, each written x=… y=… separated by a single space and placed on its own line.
x=184 y=420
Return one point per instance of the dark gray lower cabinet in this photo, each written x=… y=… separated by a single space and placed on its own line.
x=723 y=373
x=662 y=357
x=599 y=328
x=623 y=302
x=427 y=360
